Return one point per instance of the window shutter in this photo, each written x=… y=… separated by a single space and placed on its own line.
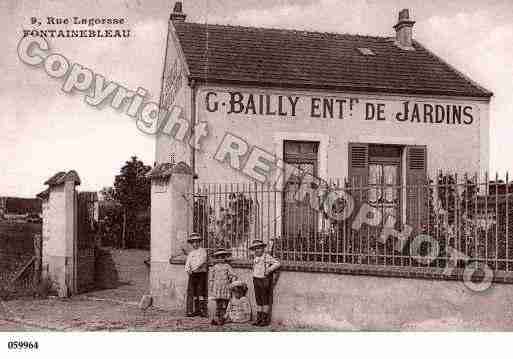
x=358 y=163
x=416 y=187
x=358 y=170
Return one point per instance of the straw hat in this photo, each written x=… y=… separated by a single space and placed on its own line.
x=222 y=252
x=194 y=237
x=257 y=243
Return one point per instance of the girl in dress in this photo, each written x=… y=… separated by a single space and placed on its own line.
x=221 y=275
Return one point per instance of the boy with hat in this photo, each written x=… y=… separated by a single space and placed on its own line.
x=221 y=275
x=196 y=267
x=263 y=266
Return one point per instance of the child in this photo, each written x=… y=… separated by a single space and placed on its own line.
x=196 y=267
x=220 y=278
x=263 y=267
x=239 y=308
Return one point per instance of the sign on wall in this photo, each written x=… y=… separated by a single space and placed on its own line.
x=339 y=108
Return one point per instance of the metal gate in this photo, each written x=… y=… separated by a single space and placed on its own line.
x=85 y=245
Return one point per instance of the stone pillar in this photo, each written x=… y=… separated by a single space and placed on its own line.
x=60 y=231
x=171 y=223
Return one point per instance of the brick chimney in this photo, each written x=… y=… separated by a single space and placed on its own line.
x=404 y=30
x=177 y=14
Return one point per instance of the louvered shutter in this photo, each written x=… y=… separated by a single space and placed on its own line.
x=416 y=187
x=358 y=171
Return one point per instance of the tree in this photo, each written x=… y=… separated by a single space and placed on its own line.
x=132 y=189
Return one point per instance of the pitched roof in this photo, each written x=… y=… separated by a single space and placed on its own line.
x=61 y=177
x=289 y=58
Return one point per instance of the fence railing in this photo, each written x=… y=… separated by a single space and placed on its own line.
x=448 y=221
x=21 y=272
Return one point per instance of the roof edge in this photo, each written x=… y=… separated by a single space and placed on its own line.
x=173 y=36
x=348 y=88
x=487 y=93
x=375 y=37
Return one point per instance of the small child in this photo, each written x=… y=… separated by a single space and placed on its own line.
x=239 y=308
x=263 y=266
x=196 y=267
x=221 y=275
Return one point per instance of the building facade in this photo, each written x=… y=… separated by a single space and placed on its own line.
x=246 y=105
x=356 y=108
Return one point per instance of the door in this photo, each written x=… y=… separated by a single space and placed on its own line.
x=300 y=221
x=84 y=251
x=385 y=181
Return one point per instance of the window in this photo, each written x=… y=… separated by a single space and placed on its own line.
x=376 y=174
x=385 y=180
x=303 y=156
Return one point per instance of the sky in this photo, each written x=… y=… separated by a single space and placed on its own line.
x=44 y=130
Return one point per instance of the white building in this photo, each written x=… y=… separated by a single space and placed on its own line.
x=370 y=110
x=336 y=105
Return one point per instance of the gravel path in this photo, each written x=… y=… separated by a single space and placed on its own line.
x=85 y=314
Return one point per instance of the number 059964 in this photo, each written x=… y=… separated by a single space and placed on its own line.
x=22 y=345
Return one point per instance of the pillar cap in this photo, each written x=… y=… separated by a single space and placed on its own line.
x=165 y=170
x=43 y=195
x=62 y=177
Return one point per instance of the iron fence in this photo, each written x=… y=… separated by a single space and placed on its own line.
x=446 y=221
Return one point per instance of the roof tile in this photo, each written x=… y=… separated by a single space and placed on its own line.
x=275 y=57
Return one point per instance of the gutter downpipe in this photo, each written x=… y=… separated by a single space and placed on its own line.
x=194 y=89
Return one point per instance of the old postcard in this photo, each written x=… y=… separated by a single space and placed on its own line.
x=261 y=166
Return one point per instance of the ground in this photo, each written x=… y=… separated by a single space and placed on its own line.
x=86 y=313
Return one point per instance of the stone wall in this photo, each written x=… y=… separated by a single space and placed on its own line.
x=357 y=302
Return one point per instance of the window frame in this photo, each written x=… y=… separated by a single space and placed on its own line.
x=383 y=161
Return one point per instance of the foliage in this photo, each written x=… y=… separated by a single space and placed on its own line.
x=202 y=219
x=233 y=223
x=471 y=221
x=110 y=223
x=230 y=227
x=132 y=189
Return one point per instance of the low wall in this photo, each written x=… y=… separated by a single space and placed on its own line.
x=358 y=302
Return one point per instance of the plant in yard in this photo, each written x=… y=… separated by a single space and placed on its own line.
x=233 y=223
x=465 y=219
x=230 y=227
x=132 y=189
x=203 y=218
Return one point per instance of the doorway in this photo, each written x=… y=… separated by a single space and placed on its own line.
x=300 y=221
x=385 y=175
